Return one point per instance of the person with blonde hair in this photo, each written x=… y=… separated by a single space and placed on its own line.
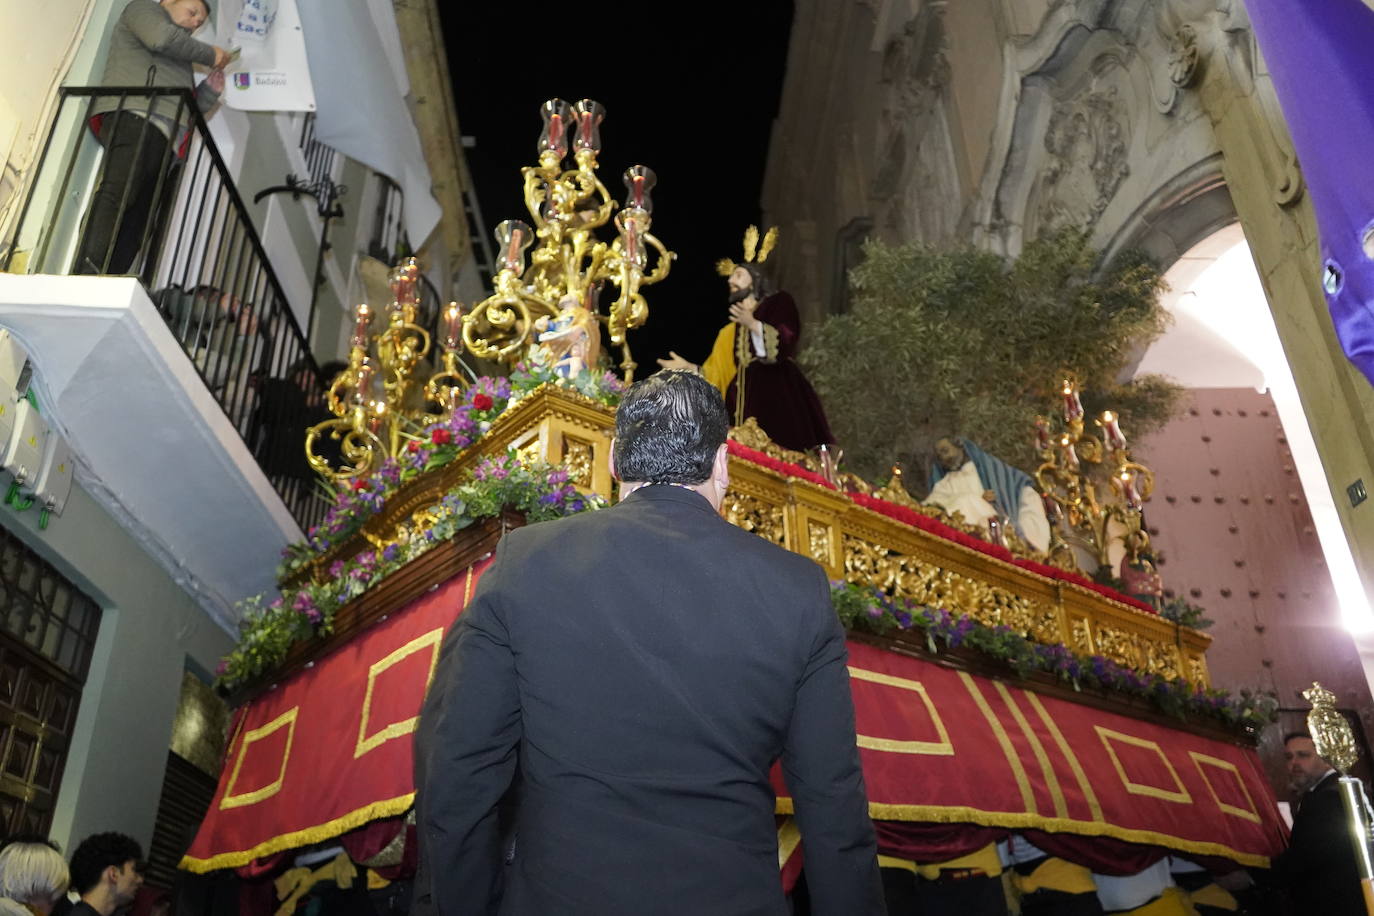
x=33 y=875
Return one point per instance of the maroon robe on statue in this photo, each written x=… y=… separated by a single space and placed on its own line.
x=776 y=393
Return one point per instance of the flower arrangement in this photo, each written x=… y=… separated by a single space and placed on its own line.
x=435 y=446
x=870 y=609
x=266 y=632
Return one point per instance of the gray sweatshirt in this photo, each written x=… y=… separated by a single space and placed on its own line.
x=148 y=49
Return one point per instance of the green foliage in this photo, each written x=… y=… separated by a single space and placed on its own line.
x=1180 y=611
x=960 y=341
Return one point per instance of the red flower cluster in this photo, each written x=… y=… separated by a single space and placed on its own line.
x=413 y=445
x=482 y=401
x=359 y=485
x=442 y=435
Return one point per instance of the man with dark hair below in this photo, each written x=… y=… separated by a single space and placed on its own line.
x=1318 y=868
x=107 y=871
x=151 y=46
x=641 y=668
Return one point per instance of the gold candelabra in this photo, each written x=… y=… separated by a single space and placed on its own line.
x=377 y=397
x=1073 y=465
x=569 y=267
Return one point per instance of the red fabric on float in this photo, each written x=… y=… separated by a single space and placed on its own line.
x=950 y=759
x=944 y=746
x=329 y=749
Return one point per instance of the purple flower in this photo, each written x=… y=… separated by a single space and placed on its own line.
x=391 y=552
x=222 y=668
x=336 y=569
x=305 y=605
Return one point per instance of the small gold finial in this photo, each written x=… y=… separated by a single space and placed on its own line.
x=1331 y=734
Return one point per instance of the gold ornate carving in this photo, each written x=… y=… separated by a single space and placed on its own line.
x=1080 y=636
x=1118 y=646
x=819 y=541
x=577 y=458
x=754 y=515
x=907 y=576
x=1161 y=658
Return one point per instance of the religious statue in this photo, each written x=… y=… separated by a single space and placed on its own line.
x=752 y=361
x=1138 y=575
x=571 y=339
x=983 y=489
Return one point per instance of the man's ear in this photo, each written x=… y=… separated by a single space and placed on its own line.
x=720 y=467
x=610 y=459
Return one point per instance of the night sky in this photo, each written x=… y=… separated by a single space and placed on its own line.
x=690 y=94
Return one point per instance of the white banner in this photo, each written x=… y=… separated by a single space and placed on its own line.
x=272 y=72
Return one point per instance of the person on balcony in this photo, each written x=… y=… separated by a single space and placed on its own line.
x=142 y=135
x=967 y=480
x=752 y=361
x=643 y=667
x=220 y=333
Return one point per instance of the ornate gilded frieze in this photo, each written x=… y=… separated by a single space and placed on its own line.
x=847 y=540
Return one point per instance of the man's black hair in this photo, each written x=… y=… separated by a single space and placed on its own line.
x=668 y=428
x=97 y=853
x=762 y=288
x=1298 y=734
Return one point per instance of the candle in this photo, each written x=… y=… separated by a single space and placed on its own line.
x=514 y=250
x=364 y=317
x=362 y=385
x=1128 y=490
x=452 y=323
x=1111 y=430
x=1070 y=456
x=378 y=416
x=1073 y=407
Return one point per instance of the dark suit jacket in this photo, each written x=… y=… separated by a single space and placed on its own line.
x=645 y=665
x=1318 y=868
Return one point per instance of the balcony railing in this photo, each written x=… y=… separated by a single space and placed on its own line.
x=180 y=226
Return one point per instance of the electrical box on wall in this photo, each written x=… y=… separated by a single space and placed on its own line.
x=24 y=453
x=12 y=360
x=54 y=480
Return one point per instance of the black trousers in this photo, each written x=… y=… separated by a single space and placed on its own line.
x=136 y=154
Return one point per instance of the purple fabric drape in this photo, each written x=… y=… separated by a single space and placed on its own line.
x=1321 y=57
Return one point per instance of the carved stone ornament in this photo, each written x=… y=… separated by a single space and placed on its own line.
x=1183 y=57
x=1086 y=143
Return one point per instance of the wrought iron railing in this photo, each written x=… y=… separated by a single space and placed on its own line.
x=179 y=225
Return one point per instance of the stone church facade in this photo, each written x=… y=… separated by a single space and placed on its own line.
x=1152 y=122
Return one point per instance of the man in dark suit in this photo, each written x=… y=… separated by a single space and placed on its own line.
x=642 y=668
x=1318 y=868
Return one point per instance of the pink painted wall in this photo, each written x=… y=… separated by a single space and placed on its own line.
x=1236 y=537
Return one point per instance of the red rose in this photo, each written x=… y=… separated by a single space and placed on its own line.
x=482 y=401
x=441 y=436
x=359 y=484
x=413 y=445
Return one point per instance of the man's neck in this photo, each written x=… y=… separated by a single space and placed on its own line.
x=100 y=901
x=703 y=489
